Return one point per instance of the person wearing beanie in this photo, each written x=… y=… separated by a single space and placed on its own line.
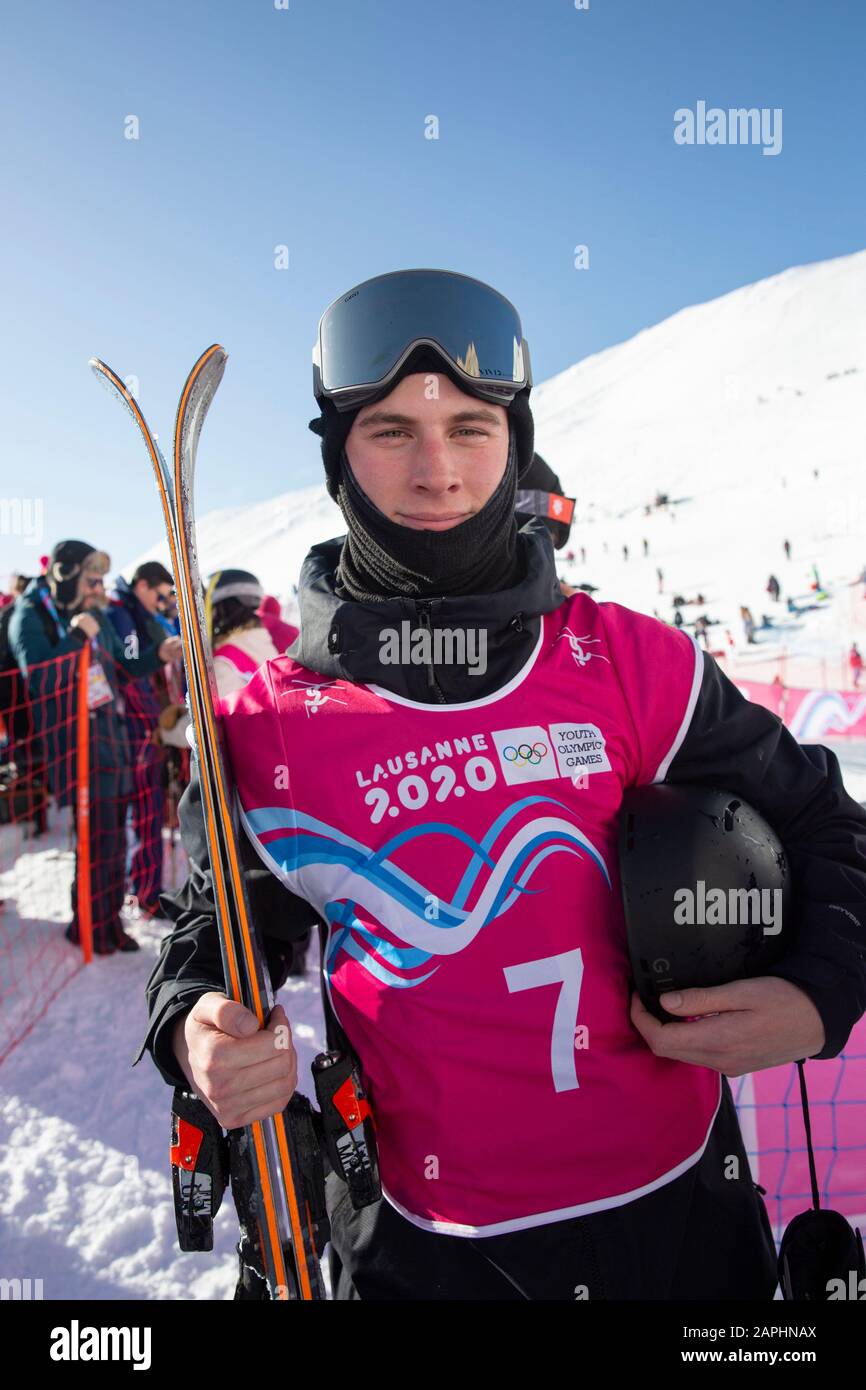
x=240 y=641
x=56 y=615
x=434 y=774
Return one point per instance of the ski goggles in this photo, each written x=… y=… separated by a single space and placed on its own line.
x=366 y=335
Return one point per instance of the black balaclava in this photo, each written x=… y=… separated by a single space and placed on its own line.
x=67 y=561
x=381 y=559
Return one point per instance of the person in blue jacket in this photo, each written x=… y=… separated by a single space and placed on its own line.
x=134 y=613
x=57 y=613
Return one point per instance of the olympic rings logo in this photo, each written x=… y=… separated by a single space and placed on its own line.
x=526 y=753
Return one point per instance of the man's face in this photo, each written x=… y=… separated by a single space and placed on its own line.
x=91 y=589
x=429 y=456
x=153 y=598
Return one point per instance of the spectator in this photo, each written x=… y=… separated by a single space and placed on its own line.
x=240 y=640
x=20 y=752
x=774 y=588
x=855 y=661
x=55 y=616
x=133 y=614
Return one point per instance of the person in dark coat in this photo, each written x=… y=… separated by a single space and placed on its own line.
x=57 y=613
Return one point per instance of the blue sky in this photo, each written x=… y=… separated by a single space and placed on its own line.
x=305 y=127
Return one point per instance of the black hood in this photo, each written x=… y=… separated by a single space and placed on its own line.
x=342 y=639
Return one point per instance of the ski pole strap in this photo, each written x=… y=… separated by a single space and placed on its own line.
x=807 y=1125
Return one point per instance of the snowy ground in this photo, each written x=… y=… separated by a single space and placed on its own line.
x=35 y=961
x=85 y=1201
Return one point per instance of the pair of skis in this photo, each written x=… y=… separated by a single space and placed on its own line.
x=283 y=1219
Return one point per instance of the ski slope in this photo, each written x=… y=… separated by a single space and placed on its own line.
x=728 y=407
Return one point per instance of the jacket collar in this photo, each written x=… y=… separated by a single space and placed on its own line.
x=343 y=639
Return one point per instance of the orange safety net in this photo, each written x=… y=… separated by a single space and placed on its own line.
x=88 y=822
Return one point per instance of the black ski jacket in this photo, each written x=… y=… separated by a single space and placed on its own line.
x=730 y=743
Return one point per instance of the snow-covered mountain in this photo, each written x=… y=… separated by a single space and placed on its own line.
x=728 y=407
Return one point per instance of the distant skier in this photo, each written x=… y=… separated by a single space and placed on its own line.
x=645 y=548
x=748 y=624
x=660 y=575
x=787 y=548
x=625 y=552
x=855 y=661
x=583 y=555
x=774 y=588
x=678 y=618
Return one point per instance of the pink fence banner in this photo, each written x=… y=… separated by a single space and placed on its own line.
x=811 y=714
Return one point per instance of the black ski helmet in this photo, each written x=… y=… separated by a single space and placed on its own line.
x=540 y=494
x=687 y=853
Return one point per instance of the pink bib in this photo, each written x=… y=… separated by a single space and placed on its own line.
x=464 y=859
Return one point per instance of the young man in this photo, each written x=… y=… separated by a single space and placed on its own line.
x=407 y=777
x=133 y=613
